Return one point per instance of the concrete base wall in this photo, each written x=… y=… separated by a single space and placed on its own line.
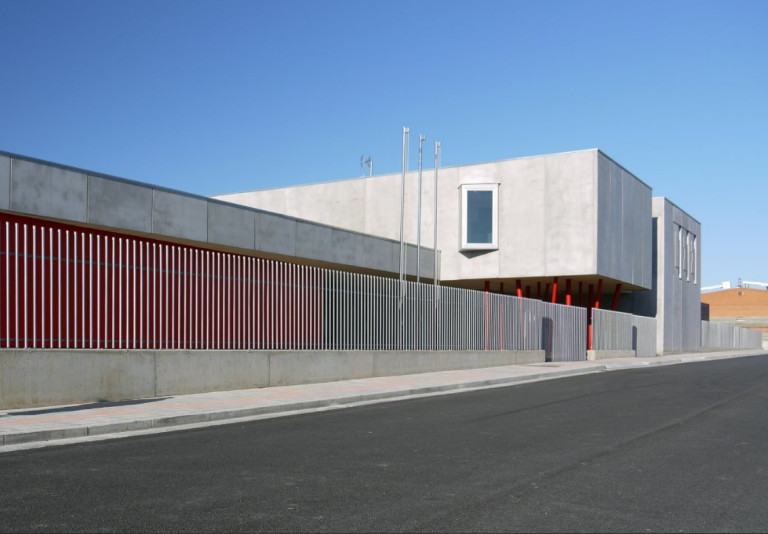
x=34 y=378
x=593 y=355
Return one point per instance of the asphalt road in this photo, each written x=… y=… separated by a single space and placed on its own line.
x=678 y=448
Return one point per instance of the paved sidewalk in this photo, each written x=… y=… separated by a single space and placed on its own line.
x=38 y=427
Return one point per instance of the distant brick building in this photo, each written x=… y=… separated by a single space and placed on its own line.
x=738 y=306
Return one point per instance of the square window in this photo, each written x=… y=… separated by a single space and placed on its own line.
x=479 y=217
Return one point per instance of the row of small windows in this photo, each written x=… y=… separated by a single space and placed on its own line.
x=685 y=254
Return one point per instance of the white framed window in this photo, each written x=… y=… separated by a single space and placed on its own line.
x=479 y=216
x=679 y=251
x=692 y=268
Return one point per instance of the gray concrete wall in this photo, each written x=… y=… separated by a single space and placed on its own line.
x=34 y=378
x=678 y=292
x=38 y=188
x=569 y=214
x=593 y=355
x=624 y=241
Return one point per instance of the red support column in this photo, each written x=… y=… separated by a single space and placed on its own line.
x=501 y=288
x=567 y=291
x=596 y=306
x=519 y=285
x=554 y=291
x=615 y=302
x=487 y=286
x=599 y=290
x=580 y=283
x=538 y=290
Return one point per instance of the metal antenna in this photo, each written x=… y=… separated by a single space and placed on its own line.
x=366 y=161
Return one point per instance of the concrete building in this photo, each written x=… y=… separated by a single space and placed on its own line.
x=575 y=228
x=675 y=298
x=175 y=293
x=576 y=216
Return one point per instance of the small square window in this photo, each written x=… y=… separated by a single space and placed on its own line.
x=479 y=217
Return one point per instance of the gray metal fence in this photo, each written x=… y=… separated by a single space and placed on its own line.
x=75 y=288
x=613 y=330
x=564 y=331
x=362 y=312
x=723 y=336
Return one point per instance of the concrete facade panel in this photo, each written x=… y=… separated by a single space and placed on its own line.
x=428 y=209
x=381 y=254
x=178 y=215
x=605 y=208
x=382 y=207
x=410 y=259
x=629 y=232
x=275 y=233
x=618 y=219
x=338 y=199
x=119 y=204
x=304 y=202
x=5 y=182
x=410 y=228
x=231 y=225
x=314 y=241
x=49 y=191
x=522 y=229
x=427 y=262
x=624 y=225
x=615 y=221
x=642 y=273
x=570 y=212
x=475 y=265
x=449 y=222
x=269 y=199
x=347 y=247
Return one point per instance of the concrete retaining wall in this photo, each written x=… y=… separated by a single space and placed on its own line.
x=34 y=378
x=593 y=355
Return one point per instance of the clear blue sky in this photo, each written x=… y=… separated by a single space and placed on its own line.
x=222 y=96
